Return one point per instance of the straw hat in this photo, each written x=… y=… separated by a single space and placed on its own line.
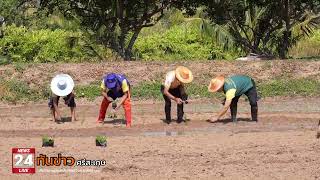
x=183 y=74
x=216 y=84
x=62 y=85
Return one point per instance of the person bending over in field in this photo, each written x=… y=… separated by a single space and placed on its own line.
x=233 y=87
x=115 y=86
x=62 y=86
x=173 y=89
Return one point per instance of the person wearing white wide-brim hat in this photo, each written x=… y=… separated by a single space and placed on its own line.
x=173 y=89
x=62 y=86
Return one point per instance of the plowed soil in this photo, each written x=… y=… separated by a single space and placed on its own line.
x=282 y=145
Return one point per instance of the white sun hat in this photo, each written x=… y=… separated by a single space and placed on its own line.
x=62 y=85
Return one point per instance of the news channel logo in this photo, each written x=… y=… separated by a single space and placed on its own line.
x=24 y=161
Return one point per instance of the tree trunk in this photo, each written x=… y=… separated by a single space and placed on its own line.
x=123 y=30
x=284 y=45
x=128 y=52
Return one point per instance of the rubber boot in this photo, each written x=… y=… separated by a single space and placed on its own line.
x=254 y=113
x=233 y=110
x=167 y=110
x=180 y=113
x=234 y=115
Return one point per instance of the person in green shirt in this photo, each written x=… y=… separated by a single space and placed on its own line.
x=234 y=87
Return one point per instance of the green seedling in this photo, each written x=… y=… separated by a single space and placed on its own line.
x=47 y=142
x=101 y=141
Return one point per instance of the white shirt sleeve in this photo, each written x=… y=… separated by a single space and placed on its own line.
x=170 y=77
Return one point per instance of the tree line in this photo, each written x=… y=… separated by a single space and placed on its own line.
x=265 y=27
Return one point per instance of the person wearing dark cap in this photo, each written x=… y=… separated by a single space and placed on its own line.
x=115 y=86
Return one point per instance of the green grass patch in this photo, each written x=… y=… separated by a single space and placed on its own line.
x=17 y=91
x=89 y=92
x=151 y=90
x=147 y=90
x=4 y=60
x=289 y=87
x=277 y=87
x=21 y=66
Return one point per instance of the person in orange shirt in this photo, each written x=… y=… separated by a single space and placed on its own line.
x=115 y=86
x=173 y=89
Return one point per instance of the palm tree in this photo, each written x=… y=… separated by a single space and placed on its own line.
x=268 y=29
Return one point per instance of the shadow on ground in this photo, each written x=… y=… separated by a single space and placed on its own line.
x=115 y=121
x=228 y=120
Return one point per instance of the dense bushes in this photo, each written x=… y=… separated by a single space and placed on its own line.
x=182 y=41
x=179 y=42
x=23 y=45
x=308 y=47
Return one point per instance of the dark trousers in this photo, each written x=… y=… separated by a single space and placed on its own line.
x=69 y=100
x=178 y=93
x=253 y=98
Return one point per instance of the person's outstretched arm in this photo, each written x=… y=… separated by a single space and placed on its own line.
x=223 y=111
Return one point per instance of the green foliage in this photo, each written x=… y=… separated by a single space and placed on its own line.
x=180 y=42
x=114 y=23
x=289 y=87
x=25 y=45
x=47 y=141
x=4 y=60
x=20 y=67
x=307 y=47
x=265 y=27
x=8 y=9
x=101 y=139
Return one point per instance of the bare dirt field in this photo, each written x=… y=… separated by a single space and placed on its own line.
x=282 y=145
x=86 y=73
